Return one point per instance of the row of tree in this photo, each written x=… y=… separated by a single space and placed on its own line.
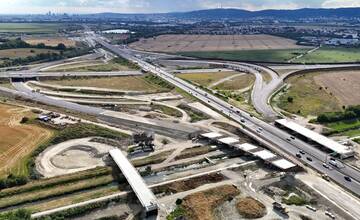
x=18 y=43
x=44 y=57
x=350 y=113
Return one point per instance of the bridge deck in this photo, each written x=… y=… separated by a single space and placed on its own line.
x=144 y=194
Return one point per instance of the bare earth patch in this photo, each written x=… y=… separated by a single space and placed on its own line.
x=200 y=206
x=50 y=41
x=187 y=43
x=343 y=84
x=251 y=208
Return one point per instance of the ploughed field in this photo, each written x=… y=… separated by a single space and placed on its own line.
x=187 y=43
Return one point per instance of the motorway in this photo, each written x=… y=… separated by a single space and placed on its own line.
x=262 y=91
x=268 y=132
x=61 y=74
x=167 y=128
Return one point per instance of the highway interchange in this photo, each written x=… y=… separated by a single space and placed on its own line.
x=269 y=135
x=267 y=131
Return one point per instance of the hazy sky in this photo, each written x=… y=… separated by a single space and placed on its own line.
x=149 y=6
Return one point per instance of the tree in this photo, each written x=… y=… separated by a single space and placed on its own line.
x=41 y=45
x=61 y=46
x=290 y=99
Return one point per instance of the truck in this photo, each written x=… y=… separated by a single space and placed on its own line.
x=278 y=207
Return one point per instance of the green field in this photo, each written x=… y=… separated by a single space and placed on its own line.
x=29 y=27
x=323 y=55
x=308 y=98
x=332 y=55
x=250 y=55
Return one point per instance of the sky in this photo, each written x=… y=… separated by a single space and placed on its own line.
x=155 y=6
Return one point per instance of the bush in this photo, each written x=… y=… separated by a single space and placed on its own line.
x=20 y=214
x=24 y=120
x=350 y=113
x=12 y=181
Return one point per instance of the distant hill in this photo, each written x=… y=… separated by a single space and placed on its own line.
x=277 y=14
x=211 y=14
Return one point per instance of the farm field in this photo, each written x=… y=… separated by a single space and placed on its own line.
x=270 y=55
x=132 y=83
x=50 y=41
x=205 y=79
x=309 y=98
x=23 y=52
x=323 y=55
x=342 y=84
x=29 y=28
x=18 y=140
x=187 y=43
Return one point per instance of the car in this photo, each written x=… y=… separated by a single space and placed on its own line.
x=326 y=166
x=242 y=120
x=333 y=163
x=326 y=177
x=302 y=152
x=347 y=178
x=309 y=159
x=298 y=155
x=292 y=137
x=288 y=139
x=260 y=129
x=311 y=208
x=332 y=216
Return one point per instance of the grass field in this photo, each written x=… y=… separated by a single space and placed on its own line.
x=237 y=83
x=308 y=97
x=282 y=55
x=23 y=52
x=205 y=79
x=29 y=27
x=95 y=66
x=41 y=195
x=152 y=159
x=17 y=140
x=332 y=55
x=132 y=83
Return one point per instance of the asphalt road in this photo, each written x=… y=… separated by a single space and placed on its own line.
x=262 y=91
x=167 y=128
x=269 y=132
x=60 y=74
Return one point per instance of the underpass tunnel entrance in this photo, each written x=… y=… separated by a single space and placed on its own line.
x=23 y=79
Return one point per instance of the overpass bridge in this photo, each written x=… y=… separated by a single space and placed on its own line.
x=142 y=191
